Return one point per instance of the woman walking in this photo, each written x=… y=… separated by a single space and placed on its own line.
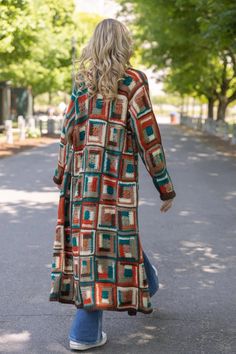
x=98 y=260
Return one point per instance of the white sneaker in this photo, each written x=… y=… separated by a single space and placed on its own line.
x=81 y=346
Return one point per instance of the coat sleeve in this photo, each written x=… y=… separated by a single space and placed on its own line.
x=148 y=139
x=68 y=121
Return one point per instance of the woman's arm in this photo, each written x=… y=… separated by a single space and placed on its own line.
x=148 y=138
x=69 y=118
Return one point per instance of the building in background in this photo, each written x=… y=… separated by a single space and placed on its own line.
x=5 y=102
x=14 y=101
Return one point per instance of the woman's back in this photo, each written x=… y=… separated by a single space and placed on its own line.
x=108 y=113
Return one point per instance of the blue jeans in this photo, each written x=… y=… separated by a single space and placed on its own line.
x=87 y=325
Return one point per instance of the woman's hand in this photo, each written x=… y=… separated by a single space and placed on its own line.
x=166 y=205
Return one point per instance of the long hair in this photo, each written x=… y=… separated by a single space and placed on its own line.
x=105 y=58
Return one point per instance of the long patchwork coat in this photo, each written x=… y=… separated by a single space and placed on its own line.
x=98 y=259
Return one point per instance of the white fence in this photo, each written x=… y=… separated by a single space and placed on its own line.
x=221 y=129
x=32 y=127
x=50 y=125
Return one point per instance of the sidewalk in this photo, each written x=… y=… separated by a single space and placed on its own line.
x=19 y=146
x=192 y=245
x=222 y=147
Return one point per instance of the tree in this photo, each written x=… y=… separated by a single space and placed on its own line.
x=17 y=32
x=40 y=55
x=195 y=40
x=45 y=67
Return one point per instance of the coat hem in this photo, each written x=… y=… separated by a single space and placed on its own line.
x=131 y=311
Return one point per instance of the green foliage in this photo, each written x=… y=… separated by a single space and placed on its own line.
x=17 y=31
x=46 y=67
x=33 y=133
x=36 y=43
x=194 y=41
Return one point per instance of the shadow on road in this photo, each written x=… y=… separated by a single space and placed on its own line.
x=192 y=246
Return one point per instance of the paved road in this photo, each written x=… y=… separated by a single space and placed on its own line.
x=193 y=246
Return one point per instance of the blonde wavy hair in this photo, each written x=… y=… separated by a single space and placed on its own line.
x=105 y=58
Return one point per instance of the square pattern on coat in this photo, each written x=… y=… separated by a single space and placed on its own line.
x=96 y=132
x=93 y=159
x=81 y=108
x=89 y=216
x=62 y=152
x=115 y=137
x=105 y=295
x=127 y=219
x=86 y=268
x=148 y=131
x=118 y=110
x=59 y=237
x=127 y=194
x=78 y=162
x=76 y=267
x=98 y=107
x=55 y=284
x=79 y=136
x=127 y=274
x=107 y=217
x=87 y=242
x=105 y=269
x=57 y=261
x=128 y=247
x=155 y=159
x=77 y=294
x=144 y=298
x=77 y=187
x=68 y=262
x=87 y=295
x=141 y=103
x=76 y=209
x=91 y=187
x=127 y=297
x=127 y=168
x=75 y=243
x=66 y=286
x=109 y=189
x=111 y=163
x=106 y=243
x=67 y=239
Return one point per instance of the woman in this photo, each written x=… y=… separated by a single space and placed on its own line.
x=98 y=260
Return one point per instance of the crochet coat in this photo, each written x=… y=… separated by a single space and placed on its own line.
x=98 y=259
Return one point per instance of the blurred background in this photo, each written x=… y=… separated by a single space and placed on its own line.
x=187 y=49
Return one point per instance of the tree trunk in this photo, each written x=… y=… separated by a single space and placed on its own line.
x=210 y=113
x=223 y=103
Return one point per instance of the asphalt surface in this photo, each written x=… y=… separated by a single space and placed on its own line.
x=193 y=246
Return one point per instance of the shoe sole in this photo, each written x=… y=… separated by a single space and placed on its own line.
x=80 y=346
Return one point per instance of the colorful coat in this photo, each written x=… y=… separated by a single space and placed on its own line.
x=97 y=253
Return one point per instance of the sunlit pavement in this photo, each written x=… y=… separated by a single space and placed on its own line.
x=193 y=246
